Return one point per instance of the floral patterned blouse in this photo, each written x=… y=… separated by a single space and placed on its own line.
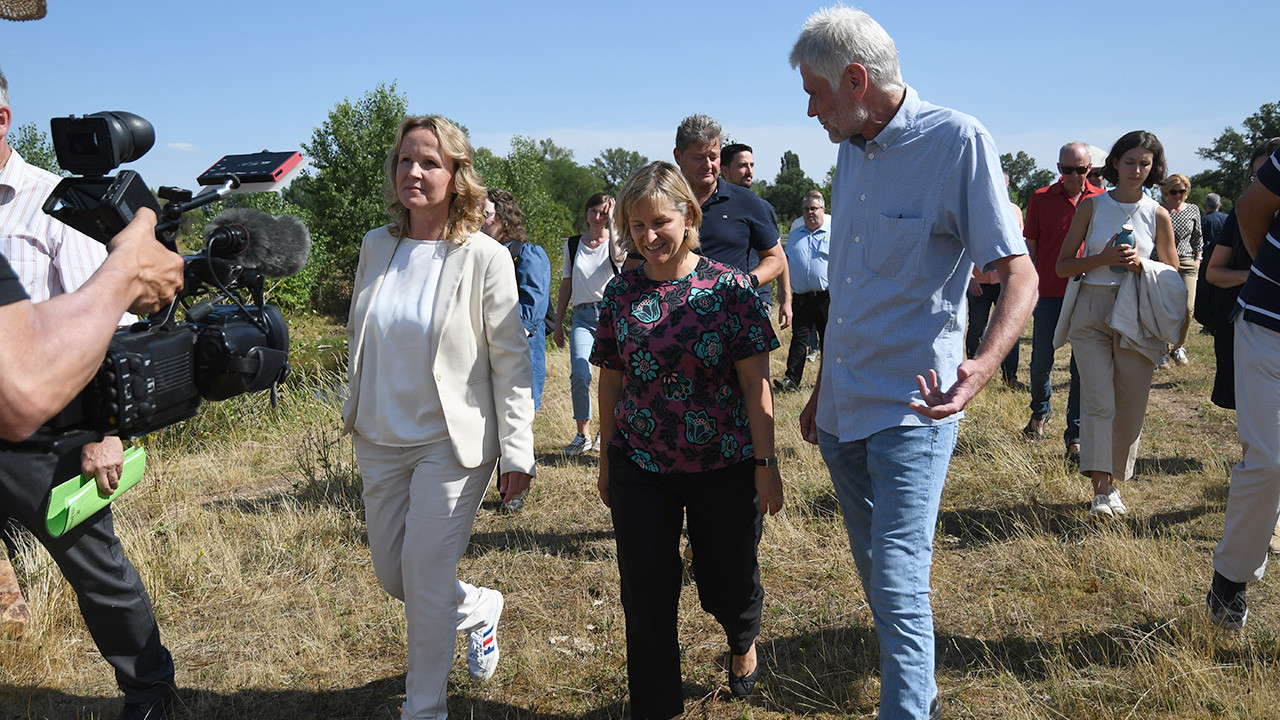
x=675 y=342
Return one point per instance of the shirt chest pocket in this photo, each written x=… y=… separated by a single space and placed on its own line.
x=897 y=248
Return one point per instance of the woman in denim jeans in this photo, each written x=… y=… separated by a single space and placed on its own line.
x=590 y=262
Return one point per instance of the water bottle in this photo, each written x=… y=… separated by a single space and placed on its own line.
x=1125 y=238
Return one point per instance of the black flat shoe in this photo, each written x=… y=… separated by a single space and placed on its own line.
x=742 y=686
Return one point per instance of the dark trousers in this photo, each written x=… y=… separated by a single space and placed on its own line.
x=1043 y=321
x=724 y=529
x=979 y=312
x=113 y=602
x=808 y=315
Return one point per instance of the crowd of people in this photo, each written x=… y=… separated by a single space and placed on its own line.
x=668 y=294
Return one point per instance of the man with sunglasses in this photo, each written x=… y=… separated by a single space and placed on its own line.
x=1049 y=214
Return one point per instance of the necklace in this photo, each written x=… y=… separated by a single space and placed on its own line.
x=1136 y=204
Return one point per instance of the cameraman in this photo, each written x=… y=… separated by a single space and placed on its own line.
x=50 y=351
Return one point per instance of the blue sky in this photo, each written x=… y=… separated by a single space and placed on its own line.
x=235 y=76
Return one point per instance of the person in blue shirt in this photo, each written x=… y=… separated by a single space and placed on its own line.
x=504 y=222
x=808 y=246
x=922 y=200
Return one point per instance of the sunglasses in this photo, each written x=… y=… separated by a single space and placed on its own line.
x=1180 y=191
x=1069 y=170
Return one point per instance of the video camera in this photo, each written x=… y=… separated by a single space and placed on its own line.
x=228 y=341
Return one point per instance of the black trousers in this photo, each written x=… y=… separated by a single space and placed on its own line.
x=724 y=529
x=980 y=307
x=808 y=315
x=113 y=602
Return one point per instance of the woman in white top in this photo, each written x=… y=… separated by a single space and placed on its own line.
x=590 y=262
x=439 y=382
x=1114 y=380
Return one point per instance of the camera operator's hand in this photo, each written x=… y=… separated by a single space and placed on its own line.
x=50 y=350
x=154 y=271
x=103 y=461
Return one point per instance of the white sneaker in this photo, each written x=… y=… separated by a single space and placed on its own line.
x=1164 y=363
x=1180 y=356
x=1117 y=506
x=579 y=445
x=482 y=647
x=596 y=445
x=1101 y=506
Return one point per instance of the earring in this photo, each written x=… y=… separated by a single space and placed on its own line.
x=686 y=233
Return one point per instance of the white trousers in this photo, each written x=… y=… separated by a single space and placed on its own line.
x=1253 y=502
x=1115 y=383
x=420 y=506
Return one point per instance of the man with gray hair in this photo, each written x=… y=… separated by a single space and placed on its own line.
x=922 y=200
x=1049 y=213
x=1212 y=222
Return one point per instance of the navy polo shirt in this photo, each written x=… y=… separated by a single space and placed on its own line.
x=11 y=290
x=1260 y=296
x=735 y=223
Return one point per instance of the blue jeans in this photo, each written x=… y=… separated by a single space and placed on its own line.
x=582 y=338
x=889 y=486
x=1043 y=322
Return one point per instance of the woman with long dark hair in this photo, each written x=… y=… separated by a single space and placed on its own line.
x=1115 y=377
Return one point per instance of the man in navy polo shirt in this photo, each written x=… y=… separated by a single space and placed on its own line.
x=735 y=222
x=1253 y=502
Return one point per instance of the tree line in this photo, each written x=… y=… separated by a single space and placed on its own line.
x=340 y=194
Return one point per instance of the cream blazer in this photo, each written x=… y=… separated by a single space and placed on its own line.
x=481 y=361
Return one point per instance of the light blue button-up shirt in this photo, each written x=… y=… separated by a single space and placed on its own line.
x=917 y=207
x=807 y=253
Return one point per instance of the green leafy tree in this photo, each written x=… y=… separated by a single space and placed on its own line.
x=524 y=174
x=786 y=193
x=342 y=190
x=34 y=147
x=569 y=183
x=1024 y=177
x=1231 y=151
x=615 y=167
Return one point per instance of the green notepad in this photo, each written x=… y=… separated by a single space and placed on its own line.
x=78 y=498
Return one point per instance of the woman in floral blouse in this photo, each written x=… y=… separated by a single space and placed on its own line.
x=685 y=407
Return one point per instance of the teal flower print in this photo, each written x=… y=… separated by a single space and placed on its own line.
x=699 y=428
x=644 y=365
x=642 y=421
x=676 y=386
x=647 y=309
x=709 y=349
x=705 y=301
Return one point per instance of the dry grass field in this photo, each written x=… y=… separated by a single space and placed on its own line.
x=249 y=534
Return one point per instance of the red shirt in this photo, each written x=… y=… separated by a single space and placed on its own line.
x=1049 y=214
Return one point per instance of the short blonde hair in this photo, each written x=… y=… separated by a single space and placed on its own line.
x=466 y=208
x=1174 y=180
x=657 y=182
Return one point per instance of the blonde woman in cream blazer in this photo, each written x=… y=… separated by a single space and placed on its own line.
x=440 y=394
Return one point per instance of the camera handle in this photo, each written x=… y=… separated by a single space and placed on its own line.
x=179 y=200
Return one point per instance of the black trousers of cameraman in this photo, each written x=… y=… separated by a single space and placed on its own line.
x=113 y=602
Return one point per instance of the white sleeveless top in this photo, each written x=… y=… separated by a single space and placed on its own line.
x=1108 y=217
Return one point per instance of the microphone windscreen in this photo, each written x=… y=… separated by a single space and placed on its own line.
x=278 y=246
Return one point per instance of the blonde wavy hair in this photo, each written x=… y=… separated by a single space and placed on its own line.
x=1175 y=180
x=466 y=208
x=657 y=182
